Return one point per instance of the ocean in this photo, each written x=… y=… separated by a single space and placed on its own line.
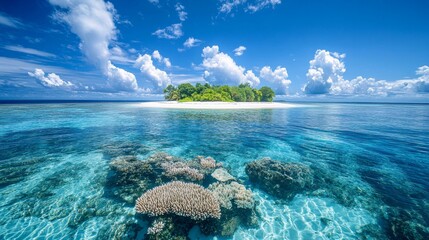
x=373 y=159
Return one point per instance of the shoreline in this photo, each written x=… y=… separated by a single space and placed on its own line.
x=217 y=105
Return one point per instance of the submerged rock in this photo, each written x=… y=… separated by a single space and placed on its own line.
x=281 y=179
x=222 y=175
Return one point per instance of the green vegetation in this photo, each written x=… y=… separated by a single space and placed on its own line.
x=243 y=93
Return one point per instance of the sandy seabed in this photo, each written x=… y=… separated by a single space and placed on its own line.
x=216 y=105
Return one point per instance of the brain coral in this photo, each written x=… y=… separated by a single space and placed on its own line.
x=183 y=199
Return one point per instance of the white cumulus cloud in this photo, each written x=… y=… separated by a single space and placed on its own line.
x=52 y=80
x=117 y=51
x=239 y=51
x=155 y=2
x=173 y=31
x=181 y=12
x=220 y=69
x=167 y=62
x=325 y=69
x=422 y=83
x=191 y=42
x=157 y=56
x=92 y=21
x=120 y=79
x=227 y=6
x=258 y=5
x=157 y=77
x=424 y=71
x=277 y=79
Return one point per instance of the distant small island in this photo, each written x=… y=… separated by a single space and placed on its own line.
x=186 y=92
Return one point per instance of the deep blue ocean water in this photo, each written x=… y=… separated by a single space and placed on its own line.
x=53 y=166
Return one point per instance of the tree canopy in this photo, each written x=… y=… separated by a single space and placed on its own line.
x=186 y=92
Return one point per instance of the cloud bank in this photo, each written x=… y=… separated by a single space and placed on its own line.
x=92 y=21
x=325 y=76
x=221 y=69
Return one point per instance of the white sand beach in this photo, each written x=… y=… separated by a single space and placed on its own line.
x=216 y=105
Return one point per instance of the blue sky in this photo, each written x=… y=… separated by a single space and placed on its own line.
x=305 y=50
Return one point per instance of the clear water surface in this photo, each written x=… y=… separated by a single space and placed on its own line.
x=53 y=171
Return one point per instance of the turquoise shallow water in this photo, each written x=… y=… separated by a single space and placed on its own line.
x=54 y=169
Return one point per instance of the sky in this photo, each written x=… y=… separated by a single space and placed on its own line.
x=334 y=50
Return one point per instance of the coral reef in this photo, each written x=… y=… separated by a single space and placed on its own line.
x=117 y=149
x=180 y=169
x=403 y=224
x=236 y=193
x=169 y=227
x=129 y=169
x=285 y=180
x=281 y=179
x=179 y=198
x=129 y=177
x=172 y=168
x=229 y=222
x=160 y=157
x=207 y=162
x=175 y=194
x=237 y=206
x=157 y=227
x=14 y=170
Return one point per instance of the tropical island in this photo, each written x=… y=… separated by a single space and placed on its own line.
x=206 y=96
x=187 y=92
